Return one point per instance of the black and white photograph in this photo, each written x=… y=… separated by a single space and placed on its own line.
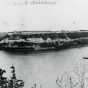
x=43 y=43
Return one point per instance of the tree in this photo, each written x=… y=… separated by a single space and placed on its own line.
x=66 y=81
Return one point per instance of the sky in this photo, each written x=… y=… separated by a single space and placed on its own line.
x=15 y=15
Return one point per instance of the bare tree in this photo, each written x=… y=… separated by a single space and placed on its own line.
x=35 y=85
x=66 y=81
x=80 y=73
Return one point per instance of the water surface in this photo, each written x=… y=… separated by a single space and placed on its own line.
x=42 y=68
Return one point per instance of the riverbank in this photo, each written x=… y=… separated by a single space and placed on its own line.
x=43 y=41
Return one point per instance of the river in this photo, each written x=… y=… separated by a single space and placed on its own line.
x=41 y=68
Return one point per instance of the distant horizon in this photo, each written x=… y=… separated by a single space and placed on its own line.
x=43 y=30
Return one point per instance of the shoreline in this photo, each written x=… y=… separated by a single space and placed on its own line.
x=43 y=41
